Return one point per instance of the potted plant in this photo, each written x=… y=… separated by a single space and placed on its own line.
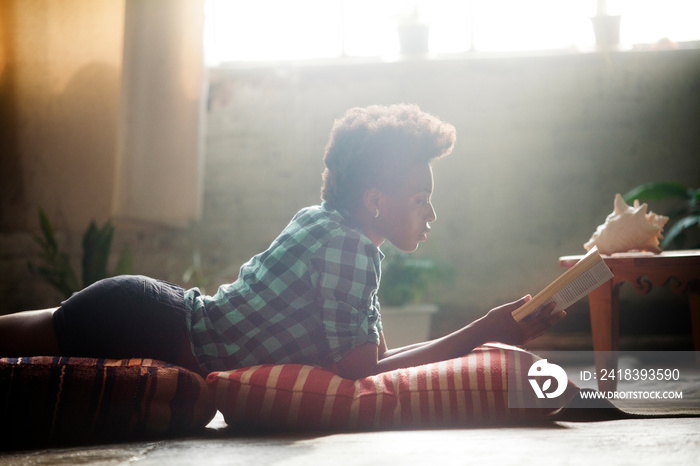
x=684 y=214
x=606 y=28
x=413 y=33
x=57 y=269
x=405 y=282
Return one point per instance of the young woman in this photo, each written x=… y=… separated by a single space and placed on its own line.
x=311 y=297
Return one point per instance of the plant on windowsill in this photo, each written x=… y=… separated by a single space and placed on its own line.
x=57 y=269
x=683 y=228
x=413 y=33
x=606 y=28
x=405 y=283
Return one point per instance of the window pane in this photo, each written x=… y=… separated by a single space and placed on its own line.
x=650 y=21
x=450 y=25
x=258 y=30
x=516 y=25
x=370 y=28
x=275 y=29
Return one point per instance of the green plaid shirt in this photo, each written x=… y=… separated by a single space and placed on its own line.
x=308 y=299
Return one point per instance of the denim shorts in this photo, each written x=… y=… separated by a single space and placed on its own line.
x=129 y=316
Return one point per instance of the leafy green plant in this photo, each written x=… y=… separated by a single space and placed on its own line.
x=57 y=269
x=406 y=279
x=684 y=215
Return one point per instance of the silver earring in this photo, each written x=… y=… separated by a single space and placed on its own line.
x=376 y=213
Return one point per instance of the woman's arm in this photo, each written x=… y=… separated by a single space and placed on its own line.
x=497 y=325
x=385 y=352
x=401 y=349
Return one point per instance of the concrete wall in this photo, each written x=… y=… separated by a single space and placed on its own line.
x=544 y=143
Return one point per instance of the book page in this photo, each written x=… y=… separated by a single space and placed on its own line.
x=587 y=275
x=584 y=284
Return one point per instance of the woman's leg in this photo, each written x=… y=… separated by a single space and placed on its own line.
x=29 y=333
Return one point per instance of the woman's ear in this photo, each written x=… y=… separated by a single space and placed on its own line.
x=371 y=201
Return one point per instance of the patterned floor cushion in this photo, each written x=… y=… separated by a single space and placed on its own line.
x=471 y=390
x=59 y=399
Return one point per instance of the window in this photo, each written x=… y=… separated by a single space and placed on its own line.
x=268 y=30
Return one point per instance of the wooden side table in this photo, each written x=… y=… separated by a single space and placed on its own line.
x=679 y=269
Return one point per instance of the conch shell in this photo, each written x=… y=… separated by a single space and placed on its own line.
x=628 y=228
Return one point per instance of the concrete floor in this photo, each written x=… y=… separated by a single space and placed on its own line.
x=634 y=442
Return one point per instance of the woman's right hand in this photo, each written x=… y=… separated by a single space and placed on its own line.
x=499 y=325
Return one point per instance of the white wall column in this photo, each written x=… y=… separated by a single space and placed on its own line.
x=159 y=160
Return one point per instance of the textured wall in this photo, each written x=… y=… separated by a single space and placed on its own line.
x=543 y=145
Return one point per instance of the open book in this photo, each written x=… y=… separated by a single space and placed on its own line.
x=585 y=276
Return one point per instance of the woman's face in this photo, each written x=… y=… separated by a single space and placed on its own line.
x=404 y=216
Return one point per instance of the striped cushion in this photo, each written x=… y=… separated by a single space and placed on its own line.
x=469 y=390
x=58 y=399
